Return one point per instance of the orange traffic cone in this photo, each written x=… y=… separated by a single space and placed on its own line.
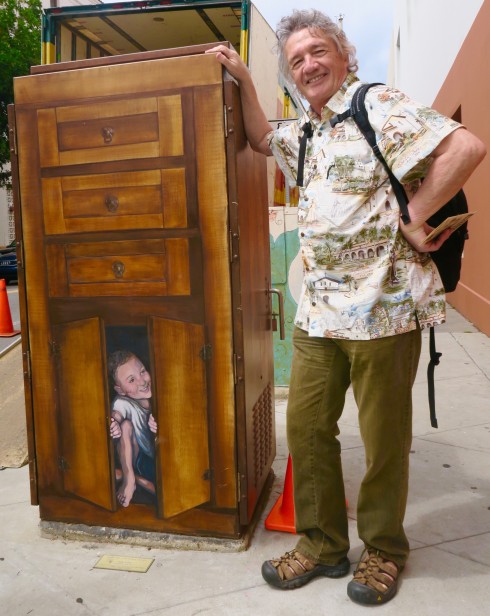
x=6 y=325
x=281 y=516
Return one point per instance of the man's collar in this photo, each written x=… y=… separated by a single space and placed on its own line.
x=336 y=104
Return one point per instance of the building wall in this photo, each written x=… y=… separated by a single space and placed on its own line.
x=263 y=65
x=427 y=36
x=443 y=45
x=465 y=88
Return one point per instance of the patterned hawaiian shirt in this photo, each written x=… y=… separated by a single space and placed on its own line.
x=362 y=279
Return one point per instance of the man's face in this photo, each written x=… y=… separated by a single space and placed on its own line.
x=133 y=380
x=317 y=68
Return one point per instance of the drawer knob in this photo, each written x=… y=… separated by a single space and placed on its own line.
x=107 y=134
x=118 y=269
x=111 y=203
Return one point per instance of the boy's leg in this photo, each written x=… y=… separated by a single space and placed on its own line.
x=383 y=373
x=145 y=472
x=126 y=451
x=319 y=380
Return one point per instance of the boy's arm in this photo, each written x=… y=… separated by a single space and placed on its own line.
x=152 y=424
x=115 y=427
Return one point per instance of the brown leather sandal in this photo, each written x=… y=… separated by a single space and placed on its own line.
x=375 y=579
x=294 y=570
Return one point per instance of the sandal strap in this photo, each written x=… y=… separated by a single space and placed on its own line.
x=292 y=564
x=376 y=572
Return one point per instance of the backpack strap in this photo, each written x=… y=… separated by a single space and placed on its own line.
x=359 y=114
x=307 y=134
x=434 y=361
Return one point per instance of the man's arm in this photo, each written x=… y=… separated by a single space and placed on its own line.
x=257 y=128
x=454 y=160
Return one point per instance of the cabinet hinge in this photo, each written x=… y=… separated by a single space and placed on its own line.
x=13 y=140
x=240 y=484
x=237 y=366
x=208 y=474
x=63 y=464
x=54 y=347
x=206 y=352
x=225 y=114
x=27 y=371
x=234 y=239
x=20 y=254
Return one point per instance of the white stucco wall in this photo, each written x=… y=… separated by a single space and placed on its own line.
x=427 y=35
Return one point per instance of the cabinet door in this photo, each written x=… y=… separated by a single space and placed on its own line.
x=181 y=400
x=86 y=457
x=251 y=283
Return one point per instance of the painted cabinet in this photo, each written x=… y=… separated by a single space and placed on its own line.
x=145 y=295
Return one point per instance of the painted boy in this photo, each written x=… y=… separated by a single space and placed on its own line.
x=132 y=424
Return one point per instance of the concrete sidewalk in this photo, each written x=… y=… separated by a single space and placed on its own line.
x=447 y=521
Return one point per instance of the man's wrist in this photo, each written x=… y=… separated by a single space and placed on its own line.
x=412 y=225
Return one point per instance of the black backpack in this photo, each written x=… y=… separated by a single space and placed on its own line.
x=447 y=258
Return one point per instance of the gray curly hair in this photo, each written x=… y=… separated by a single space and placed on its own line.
x=313 y=20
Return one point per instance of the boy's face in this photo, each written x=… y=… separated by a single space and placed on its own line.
x=133 y=380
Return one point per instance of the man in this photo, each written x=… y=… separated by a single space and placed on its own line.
x=368 y=288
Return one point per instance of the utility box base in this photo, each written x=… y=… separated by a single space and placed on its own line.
x=161 y=541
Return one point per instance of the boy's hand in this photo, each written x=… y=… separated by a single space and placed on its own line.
x=152 y=424
x=115 y=429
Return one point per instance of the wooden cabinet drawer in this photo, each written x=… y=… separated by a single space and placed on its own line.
x=108 y=132
x=115 y=130
x=153 y=199
x=154 y=267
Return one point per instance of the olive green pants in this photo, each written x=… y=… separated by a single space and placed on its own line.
x=382 y=372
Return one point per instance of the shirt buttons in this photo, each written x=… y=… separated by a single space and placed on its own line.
x=302 y=234
x=313 y=303
x=305 y=199
x=319 y=133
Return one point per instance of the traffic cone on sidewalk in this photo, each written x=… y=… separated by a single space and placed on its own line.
x=6 y=325
x=281 y=516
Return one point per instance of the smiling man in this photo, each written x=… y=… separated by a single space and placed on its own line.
x=369 y=287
